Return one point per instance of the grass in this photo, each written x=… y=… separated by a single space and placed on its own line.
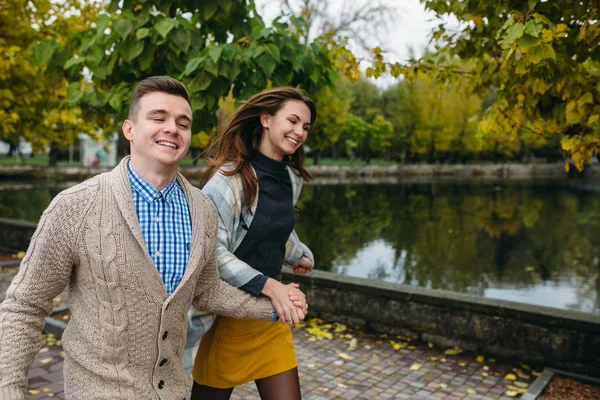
x=187 y=161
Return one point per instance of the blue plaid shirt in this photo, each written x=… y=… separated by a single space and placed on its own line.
x=166 y=226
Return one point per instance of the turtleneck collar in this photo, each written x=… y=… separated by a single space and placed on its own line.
x=259 y=160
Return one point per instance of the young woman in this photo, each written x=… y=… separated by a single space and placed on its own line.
x=254 y=180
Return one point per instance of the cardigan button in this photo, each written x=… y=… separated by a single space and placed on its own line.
x=165 y=335
x=161 y=384
x=163 y=362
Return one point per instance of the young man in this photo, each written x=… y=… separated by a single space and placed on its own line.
x=136 y=247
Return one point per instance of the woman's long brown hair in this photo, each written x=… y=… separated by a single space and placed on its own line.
x=242 y=135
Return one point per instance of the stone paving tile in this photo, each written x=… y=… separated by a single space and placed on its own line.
x=373 y=370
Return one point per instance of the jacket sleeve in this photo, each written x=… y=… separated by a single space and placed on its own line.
x=217 y=296
x=295 y=250
x=227 y=200
x=44 y=273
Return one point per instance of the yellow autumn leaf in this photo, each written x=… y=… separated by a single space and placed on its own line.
x=486 y=368
x=443 y=385
x=453 y=352
x=44 y=350
x=415 y=367
x=521 y=385
x=46 y=360
x=34 y=392
x=46 y=390
x=338 y=362
x=430 y=345
x=50 y=394
x=511 y=393
x=480 y=359
x=20 y=255
x=462 y=364
x=340 y=328
x=510 y=377
x=352 y=345
x=471 y=391
x=485 y=374
x=345 y=356
x=535 y=373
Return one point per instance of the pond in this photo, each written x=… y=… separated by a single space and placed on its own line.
x=533 y=243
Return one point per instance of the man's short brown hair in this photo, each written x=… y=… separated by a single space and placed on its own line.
x=152 y=84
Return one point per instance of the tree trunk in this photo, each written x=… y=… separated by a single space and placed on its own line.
x=11 y=150
x=316 y=156
x=53 y=156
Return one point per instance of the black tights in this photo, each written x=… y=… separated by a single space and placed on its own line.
x=283 y=386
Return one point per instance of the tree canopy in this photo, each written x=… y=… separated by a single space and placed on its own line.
x=542 y=58
x=212 y=46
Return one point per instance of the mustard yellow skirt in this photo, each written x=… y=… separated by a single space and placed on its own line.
x=237 y=351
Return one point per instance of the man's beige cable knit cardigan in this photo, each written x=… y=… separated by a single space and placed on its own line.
x=125 y=338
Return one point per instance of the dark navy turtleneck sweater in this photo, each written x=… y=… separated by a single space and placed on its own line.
x=263 y=247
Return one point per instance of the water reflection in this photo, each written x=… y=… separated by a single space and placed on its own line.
x=527 y=243
x=531 y=243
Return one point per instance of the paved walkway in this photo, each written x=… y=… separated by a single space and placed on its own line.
x=351 y=366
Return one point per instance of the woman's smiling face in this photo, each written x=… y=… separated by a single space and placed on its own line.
x=284 y=132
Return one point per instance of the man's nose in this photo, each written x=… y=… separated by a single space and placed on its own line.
x=171 y=126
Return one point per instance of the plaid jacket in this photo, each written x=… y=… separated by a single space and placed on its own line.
x=226 y=193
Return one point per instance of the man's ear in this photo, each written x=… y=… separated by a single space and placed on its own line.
x=128 y=130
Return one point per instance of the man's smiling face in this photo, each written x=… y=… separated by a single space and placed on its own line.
x=160 y=135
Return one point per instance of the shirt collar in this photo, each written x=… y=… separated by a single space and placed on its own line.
x=146 y=190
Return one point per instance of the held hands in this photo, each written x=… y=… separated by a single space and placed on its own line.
x=302 y=266
x=287 y=300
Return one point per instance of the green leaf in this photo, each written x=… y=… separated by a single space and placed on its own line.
x=131 y=49
x=542 y=52
x=274 y=51
x=115 y=102
x=214 y=53
x=146 y=58
x=74 y=93
x=509 y=22
x=113 y=6
x=44 y=51
x=94 y=57
x=200 y=82
x=101 y=72
x=142 y=33
x=234 y=71
x=192 y=65
x=541 y=19
x=123 y=27
x=101 y=23
x=531 y=4
x=210 y=8
x=533 y=28
x=164 y=26
x=587 y=98
x=513 y=33
x=528 y=41
x=182 y=39
x=73 y=61
x=315 y=76
x=211 y=67
x=267 y=64
x=198 y=103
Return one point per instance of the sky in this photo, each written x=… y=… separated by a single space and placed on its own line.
x=411 y=26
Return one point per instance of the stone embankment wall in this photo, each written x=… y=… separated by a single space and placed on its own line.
x=470 y=171
x=558 y=338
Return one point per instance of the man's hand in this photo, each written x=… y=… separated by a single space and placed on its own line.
x=288 y=311
x=302 y=266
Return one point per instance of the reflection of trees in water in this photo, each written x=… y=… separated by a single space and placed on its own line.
x=459 y=237
x=24 y=205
